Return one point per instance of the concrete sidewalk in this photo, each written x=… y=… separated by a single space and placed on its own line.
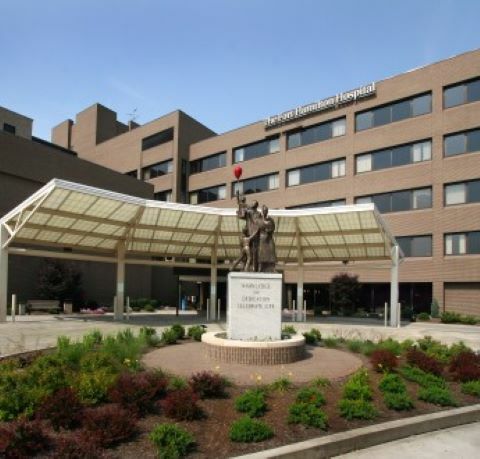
x=41 y=331
x=462 y=442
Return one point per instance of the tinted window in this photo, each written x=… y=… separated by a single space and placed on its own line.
x=422 y=246
x=337 y=202
x=157 y=139
x=401 y=110
x=473 y=242
x=422 y=105
x=382 y=116
x=313 y=173
x=9 y=128
x=473 y=91
x=401 y=201
x=401 y=155
x=313 y=134
x=255 y=150
x=473 y=140
x=455 y=144
x=382 y=159
x=473 y=191
x=454 y=96
x=364 y=121
x=383 y=202
x=208 y=163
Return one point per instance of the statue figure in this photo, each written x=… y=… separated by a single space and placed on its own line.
x=257 y=244
x=246 y=254
x=266 y=248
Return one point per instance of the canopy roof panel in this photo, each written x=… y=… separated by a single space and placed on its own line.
x=65 y=214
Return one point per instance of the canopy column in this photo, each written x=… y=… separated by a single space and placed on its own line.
x=3 y=274
x=394 y=321
x=119 y=306
x=299 y=286
x=213 y=287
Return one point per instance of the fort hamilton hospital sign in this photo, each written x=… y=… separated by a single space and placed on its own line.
x=336 y=101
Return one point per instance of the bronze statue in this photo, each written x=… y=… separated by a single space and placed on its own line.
x=257 y=244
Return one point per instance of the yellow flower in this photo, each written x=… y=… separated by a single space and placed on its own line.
x=259 y=377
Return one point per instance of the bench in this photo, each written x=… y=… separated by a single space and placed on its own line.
x=43 y=305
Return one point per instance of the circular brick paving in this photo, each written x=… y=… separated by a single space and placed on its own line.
x=187 y=358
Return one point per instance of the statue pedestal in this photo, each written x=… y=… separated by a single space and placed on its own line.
x=254 y=308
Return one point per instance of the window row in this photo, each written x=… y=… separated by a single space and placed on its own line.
x=256 y=184
x=257 y=149
x=333 y=203
x=317 y=133
x=208 y=163
x=397 y=201
x=462 y=243
x=461 y=93
x=157 y=170
x=213 y=193
x=462 y=142
x=316 y=172
x=165 y=195
x=462 y=193
x=157 y=139
x=394 y=156
x=396 y=111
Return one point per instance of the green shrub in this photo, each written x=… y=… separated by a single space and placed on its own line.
x=468 y=320
x=457 y=348
x=282 y=384
x=357 y=409
x=392 y=345
x=316 y=332
x=179 y=330
x=471 y=388
x=196 y=332
x=169 y=336
x=423 y=317
x=93 y=386
x=434 y=309
x=310 y=395
x=357 y=387
x=420 y=377
x=149 y=334
x=176 y=383
x=434 y=349
x=308 y=415
x=449 y=317
x=252 y=402
x=249 y=430
x=392 y=383
x=149 y=308
x=400 y=401
x=310 y=338
x=289 y=330
x=437 y=395
x=355 y=345
x=320 y=382
x=331 y=342
x=171 y=441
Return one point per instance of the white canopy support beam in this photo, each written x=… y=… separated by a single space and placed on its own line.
x=119 y=306
x=300 y=272
x=3 y=273
x=394 y=319
x=214 y=276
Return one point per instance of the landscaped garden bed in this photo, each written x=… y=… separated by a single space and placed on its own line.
x=94 y=398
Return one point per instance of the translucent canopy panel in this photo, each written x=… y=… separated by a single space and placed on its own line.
x=69 y=215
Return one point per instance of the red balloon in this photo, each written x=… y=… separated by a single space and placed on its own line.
x=238 y=171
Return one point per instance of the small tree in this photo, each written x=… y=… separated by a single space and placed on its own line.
x=59 y=281
x=435 y=309
x=344 y=292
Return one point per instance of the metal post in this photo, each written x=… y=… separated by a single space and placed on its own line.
x=304 y=310
x=294 y=311
x=394 y=287
x=218 y=309
x=14 y=306
x=128 y=308
x=208 y=309
x=3 y=274
x=385 y=314
x=119 y=306
x=399 y=318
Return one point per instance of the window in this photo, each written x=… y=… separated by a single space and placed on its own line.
x=256 y=150
x=394 y=156
x=398 y=201
x=456 y=244
x=316 y=172
x=336 y=202
x=462 y=142
x=132 y=173
x=157 y=139
x=156 y=170
x=213 y=193
x=408 y=108
x=461 y=93
x=9 y=128
x=208 y=163
x=163 y=195
x=461 y=193
x=316 y=133
x=416 y=246
x=256 y=184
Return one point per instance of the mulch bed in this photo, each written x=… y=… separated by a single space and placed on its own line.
x=211 y=433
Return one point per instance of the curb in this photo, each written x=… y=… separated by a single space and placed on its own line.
x=364 y=437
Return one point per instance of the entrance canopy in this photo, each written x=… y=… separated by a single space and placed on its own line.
x=69 y=215
x=69 y=220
